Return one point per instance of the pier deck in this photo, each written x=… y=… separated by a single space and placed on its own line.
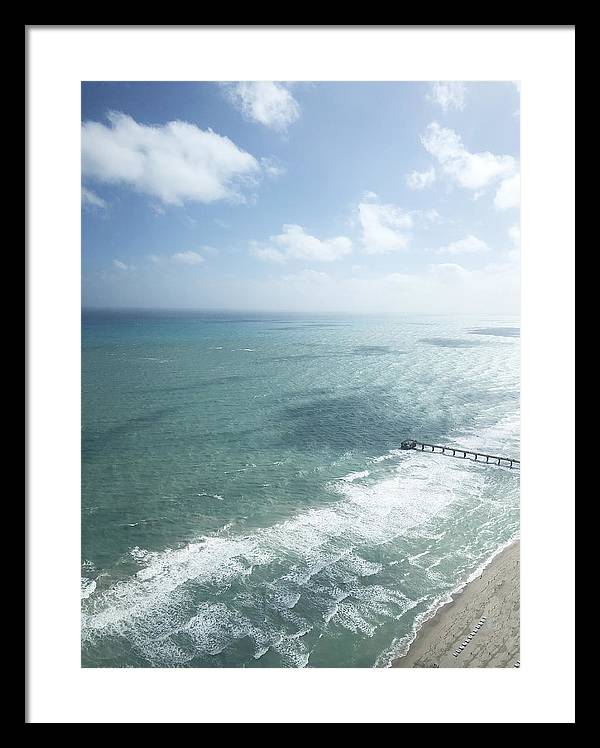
x=466 y=454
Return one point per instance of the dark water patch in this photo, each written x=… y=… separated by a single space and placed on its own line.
x=315 y=392
x=205 y=383
x=363 y=350
x=301 y=357
x=451 y=342
x=370 y=420
x=99 y=442
x=371 y=349
x=376 y=350
x=501 y=332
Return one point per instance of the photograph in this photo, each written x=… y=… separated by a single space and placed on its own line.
x=300 y=374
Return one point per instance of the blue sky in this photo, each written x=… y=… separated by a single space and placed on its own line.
x=365 y=197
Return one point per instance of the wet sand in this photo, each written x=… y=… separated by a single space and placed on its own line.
x=493 y=642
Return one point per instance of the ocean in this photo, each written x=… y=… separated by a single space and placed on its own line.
x=245 y=502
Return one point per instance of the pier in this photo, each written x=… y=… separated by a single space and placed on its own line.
x=466 y=454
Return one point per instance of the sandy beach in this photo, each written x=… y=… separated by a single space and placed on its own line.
x=482 y=621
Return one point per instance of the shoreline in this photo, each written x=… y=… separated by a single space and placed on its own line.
x=495 y=642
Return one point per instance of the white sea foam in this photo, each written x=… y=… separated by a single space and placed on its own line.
x=503 y=436
x=356 y=476
x=139 y=554
x=364 y=609
x=412 y=559
x=150 y=608
x=293 y=650
x=389 y=455
x=87 y=587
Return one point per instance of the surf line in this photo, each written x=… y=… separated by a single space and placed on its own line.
x=462 y=453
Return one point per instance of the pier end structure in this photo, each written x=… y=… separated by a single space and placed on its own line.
x=408 y=444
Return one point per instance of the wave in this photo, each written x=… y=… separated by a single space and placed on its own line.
x=323 y=550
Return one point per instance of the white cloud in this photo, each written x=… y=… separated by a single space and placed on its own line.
x=175 y=162
x=272 y=167
x=418 y=180
x=509 y=193
x=267 y=254
x=121 y=265
x=469 y=245
x=448 y=94
x=188 y=258
x=271 y=104
x=294 y=243
x=91 y=199
x=471 y=170
x=385 y=228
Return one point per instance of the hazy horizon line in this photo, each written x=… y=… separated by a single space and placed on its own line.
x=249 y=310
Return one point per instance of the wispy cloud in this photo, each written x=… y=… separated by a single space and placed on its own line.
x=121 y=265
x=175 y=162
x=90 y=199
x=448 y=94
x=295 y=244
x=269 y=103
x=469 y=245
x=272 y=167
x=473 y=171
x=419 y=180
x=188 y=258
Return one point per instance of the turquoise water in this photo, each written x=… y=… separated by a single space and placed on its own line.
x=244 y=501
